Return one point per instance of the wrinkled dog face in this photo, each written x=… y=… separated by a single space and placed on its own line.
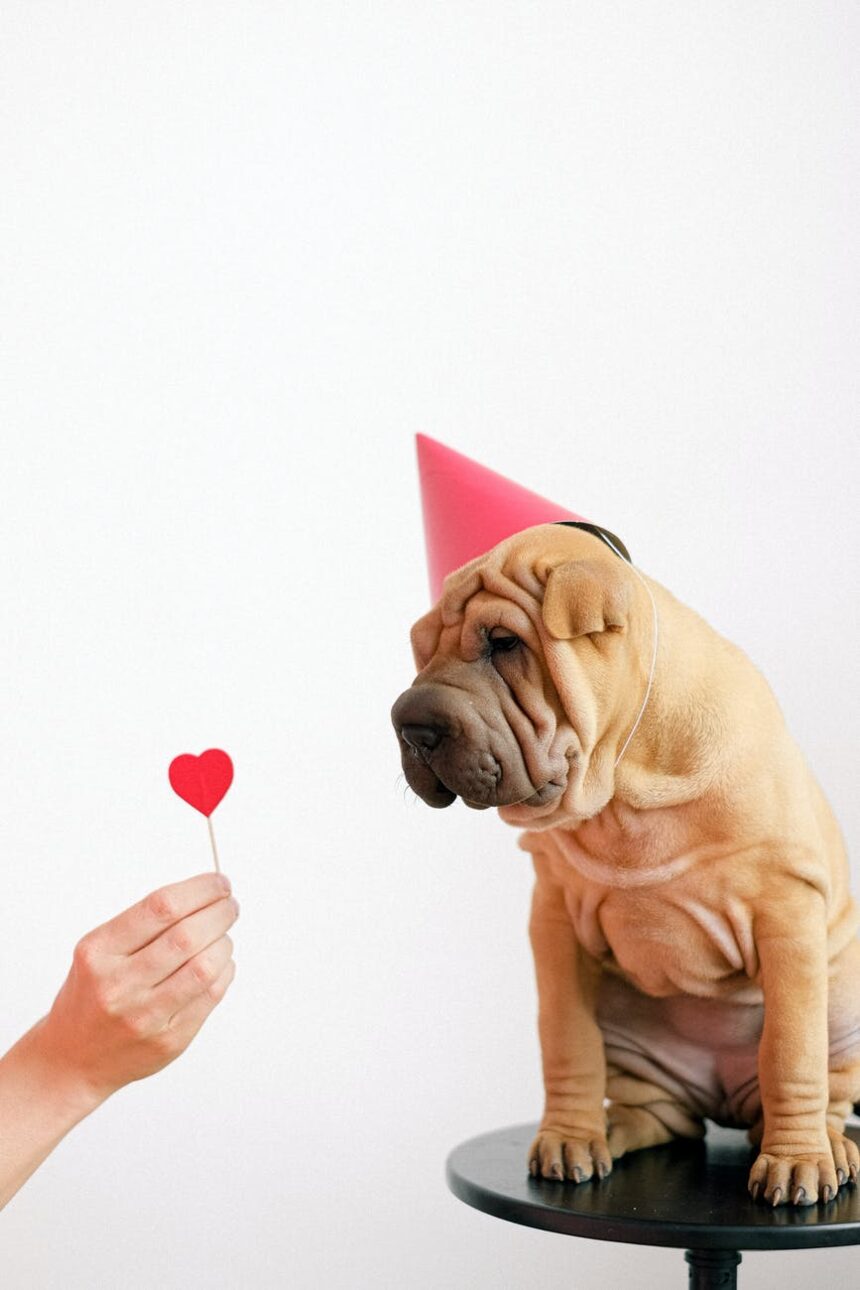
x=527 y=673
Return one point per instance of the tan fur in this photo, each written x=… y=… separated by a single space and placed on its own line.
x=694 y=936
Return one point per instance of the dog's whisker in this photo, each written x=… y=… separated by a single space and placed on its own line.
x=407 y=789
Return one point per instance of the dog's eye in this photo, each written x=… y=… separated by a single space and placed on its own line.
x=501 y=641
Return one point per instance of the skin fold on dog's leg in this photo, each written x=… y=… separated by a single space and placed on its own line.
x=572 y=1139
x=796 y=1161
x=641 y=1114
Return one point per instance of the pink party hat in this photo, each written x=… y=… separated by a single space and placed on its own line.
x=468 y=509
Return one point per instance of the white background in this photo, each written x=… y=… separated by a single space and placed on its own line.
x=248 y=250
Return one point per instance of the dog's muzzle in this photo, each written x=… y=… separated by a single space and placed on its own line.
x=449 y=751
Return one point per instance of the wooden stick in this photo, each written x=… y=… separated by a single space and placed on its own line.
x=212 y=839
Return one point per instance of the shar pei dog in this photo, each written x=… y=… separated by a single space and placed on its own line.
x=694 y=937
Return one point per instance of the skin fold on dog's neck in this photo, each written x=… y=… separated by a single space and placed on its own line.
x=671 y=772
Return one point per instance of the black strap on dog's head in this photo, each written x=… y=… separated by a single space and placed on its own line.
x=615 y=544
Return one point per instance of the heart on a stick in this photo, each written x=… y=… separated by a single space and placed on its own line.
x=201 y=781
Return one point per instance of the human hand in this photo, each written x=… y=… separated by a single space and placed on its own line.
x=141 y=986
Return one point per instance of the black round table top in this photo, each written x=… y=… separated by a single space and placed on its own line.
x=688 y=1194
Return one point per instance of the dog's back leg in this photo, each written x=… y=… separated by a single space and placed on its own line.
x=642 y=1114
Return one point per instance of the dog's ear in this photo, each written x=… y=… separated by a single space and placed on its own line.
x=584 y=597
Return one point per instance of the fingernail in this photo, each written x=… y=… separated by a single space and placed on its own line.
x=224 y=882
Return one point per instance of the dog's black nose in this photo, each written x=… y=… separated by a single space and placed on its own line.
x=422 y=738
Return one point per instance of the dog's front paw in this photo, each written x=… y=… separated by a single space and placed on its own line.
x=794 y=1179
x=569 y=1154
x=846 y=1156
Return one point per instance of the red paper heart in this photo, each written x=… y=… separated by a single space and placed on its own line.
x=201 y=781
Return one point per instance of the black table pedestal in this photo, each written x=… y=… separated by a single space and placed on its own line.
x=690 y=1195
x=713 y=1269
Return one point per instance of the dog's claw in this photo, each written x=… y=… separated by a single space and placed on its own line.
x=841 y=1177
x=776 y=1197
x=755 y=1190
x=827 y=1193
x=799 y=1196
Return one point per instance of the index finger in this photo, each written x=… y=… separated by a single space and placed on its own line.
x=146 y=920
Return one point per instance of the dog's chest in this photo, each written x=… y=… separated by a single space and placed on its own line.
x=684 y=928
x=668 y=943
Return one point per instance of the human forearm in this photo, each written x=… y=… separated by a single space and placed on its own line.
x=39 y=1104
